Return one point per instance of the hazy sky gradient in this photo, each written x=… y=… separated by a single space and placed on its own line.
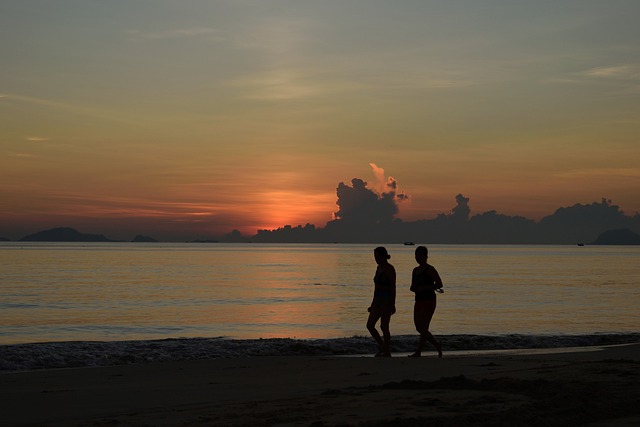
x=188 y=119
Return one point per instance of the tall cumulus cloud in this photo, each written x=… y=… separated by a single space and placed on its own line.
x=360 y=203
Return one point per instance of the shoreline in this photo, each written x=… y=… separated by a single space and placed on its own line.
x=507 y=352
x=595 y=386
x=48 y=355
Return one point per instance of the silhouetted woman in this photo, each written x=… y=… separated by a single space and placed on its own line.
x=425 y=280
x=384 y=301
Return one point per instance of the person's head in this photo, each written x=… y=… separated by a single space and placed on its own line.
x=422 y=253
x=380 y=254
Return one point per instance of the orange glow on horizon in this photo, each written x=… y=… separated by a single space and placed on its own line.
x=281 y=208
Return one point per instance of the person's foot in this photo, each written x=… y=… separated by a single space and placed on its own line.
x=416 y=354
x=439 y=349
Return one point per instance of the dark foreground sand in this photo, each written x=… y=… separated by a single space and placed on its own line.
x=599 y=387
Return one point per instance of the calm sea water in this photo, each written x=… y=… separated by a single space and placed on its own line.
x=134 y=291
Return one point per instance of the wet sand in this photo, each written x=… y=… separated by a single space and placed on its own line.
x=598 y=387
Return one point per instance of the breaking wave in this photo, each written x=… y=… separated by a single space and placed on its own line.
x=106 y=353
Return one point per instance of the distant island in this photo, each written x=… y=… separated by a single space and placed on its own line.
x=64 y=234
x=67 y=234
x=618 y=237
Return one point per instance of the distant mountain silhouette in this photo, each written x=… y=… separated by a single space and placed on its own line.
x=64 y=234
x=618 y=237
x=4 y=239
x=144 y=239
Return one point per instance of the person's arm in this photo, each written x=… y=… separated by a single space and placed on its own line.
x=437 y=281
x=371 y=305
x=413 y=286
x=435 y=278
x=392 y=281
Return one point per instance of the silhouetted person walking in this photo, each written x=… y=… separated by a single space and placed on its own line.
x=425 y=281
x=383 y=305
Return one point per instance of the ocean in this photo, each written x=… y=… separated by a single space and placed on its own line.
x=304 y=296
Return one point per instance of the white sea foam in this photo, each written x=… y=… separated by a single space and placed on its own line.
x=98 y=353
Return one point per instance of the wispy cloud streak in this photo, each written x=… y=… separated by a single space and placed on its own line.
x=177 y=34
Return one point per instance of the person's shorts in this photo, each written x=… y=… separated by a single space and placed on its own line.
x=425 y=305
x=383 y=305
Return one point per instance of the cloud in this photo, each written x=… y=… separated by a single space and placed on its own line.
x=402 y=196
x=429 y=82
x=627 y=75
x=103 y=205
x=378 y=172
x=359 y=204
x=620 y=79
x=79 y=110
x=599 y=172
x=175 y=34
x=275 y=86
x=363 y=205
x=461 y=210
x=614 y=72
x=385 y=185
x=20 y=155
x=36 y=138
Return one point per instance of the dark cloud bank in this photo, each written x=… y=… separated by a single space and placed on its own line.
x=366 y=216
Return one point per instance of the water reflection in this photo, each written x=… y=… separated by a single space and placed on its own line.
x=127 y=291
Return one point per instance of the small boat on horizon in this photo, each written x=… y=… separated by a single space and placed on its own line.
x=409 y=243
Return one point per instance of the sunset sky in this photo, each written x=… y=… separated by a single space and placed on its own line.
x=188 y=119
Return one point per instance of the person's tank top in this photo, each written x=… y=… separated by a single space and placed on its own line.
x=424 y=278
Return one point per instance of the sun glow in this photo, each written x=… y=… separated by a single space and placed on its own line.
x=292 y=208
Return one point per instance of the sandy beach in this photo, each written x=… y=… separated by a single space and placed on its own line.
x=594 y=386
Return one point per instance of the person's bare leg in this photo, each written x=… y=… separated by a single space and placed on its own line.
x=384 y=325
x=371 y=326
x=428 y=336
x=419 y=320
x=421 y=343
x=424 y=337
x=422 y=320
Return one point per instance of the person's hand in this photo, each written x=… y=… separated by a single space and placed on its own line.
x=369 y=309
